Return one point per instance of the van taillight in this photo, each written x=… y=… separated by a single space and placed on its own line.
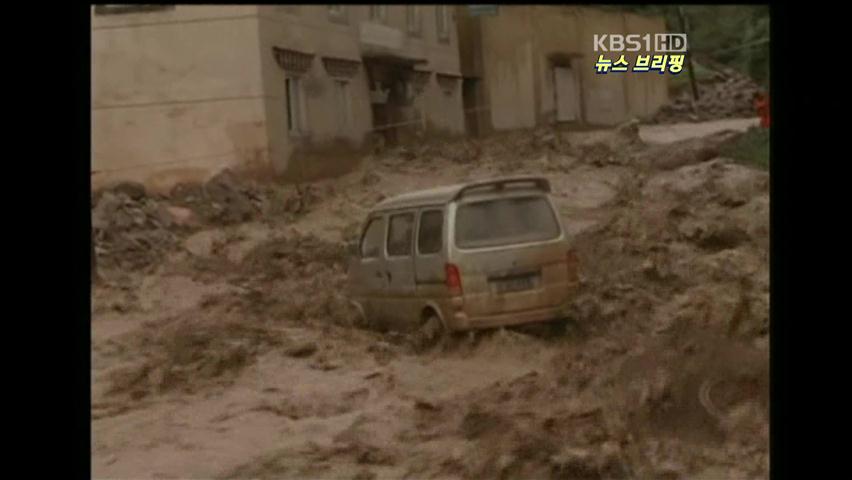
x=572 y=263
x=453 y=279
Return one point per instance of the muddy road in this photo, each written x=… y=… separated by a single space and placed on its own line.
x=223 y=345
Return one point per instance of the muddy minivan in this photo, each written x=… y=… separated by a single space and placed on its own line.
x=470 y=256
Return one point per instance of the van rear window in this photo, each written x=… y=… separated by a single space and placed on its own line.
x=505 y=221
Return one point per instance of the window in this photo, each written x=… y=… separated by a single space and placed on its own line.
x=443 y=21
x=344 y=105
x=379 y=13
x=295 y=106
x=288 y=9
x=400 y=234
x=412 y=19
x=371 y=242
x=337 y=13
x=430 y=236
x=119 y=9
x=505 y=221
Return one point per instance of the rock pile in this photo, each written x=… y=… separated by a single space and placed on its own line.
x=130 y=230
x=225 y=199
x=728 y=94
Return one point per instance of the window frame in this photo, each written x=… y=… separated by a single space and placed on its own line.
x=338 y=15
x=414 y=17
x=378 y=13
x=419 y=227
x=292 y=83
x=551 y=207
x=442 y=16
x=370 y=220
x=411 y=242
x=343 y=93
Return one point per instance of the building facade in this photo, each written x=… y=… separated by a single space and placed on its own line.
x=181 y=91
x=528 y=65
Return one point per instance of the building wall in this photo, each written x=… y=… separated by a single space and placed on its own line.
x=176 y=94
x=444 y=112
x=604 y=96
x=507 y=60
x=517 y=47
x=647 y=93
x=309 y=29
x=179 y=94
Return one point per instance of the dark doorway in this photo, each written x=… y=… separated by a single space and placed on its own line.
x=472 y=109
x=390 y=85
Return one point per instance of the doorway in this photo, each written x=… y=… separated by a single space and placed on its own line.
x=470 y=90
x=567 y=94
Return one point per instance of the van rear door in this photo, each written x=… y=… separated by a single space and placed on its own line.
x=511 y=253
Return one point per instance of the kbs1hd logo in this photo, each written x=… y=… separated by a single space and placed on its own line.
x=669 y=48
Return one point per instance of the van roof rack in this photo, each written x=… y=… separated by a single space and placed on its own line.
x=501 y=183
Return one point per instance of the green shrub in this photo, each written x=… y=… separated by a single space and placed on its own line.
x=750 y=148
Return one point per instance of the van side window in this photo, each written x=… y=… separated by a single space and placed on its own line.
x=400 y=234
x=429 y=237
x=371 y=242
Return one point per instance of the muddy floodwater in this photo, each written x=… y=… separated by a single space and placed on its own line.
x=223 y=345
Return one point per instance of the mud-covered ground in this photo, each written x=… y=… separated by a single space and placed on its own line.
x=223 y=345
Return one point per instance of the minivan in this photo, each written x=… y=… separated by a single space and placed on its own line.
x=476 y=255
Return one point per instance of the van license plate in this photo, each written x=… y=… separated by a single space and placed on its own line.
x=515 y=284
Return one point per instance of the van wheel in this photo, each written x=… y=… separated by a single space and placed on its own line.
x=430 y=333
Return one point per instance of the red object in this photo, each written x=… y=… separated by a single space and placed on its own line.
x=453 y=279
x=761 y=104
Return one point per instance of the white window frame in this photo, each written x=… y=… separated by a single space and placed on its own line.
x=413 y=20
x=379 y=13
x=337 y=13
x=343 y=98
x=295 y=109
x=442 y=19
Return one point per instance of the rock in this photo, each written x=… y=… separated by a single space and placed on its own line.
x=303 y=350
x=723 y=238
x=629 y=130
x=670 y=471
x=370 y=178
x=364 y=475
x=181 y=216
x=134 y=190
x=105 y=209
x=425 y=405
x=574 y=463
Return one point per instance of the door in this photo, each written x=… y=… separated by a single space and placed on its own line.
x=367 y=280
x=567 y=94
x=400 y=304
x=471 y=112
x=430 y=253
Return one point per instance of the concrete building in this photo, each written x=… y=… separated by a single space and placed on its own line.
x=180 y=92
x=530 y=65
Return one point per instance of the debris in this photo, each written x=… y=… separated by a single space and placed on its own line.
x=727 y=95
